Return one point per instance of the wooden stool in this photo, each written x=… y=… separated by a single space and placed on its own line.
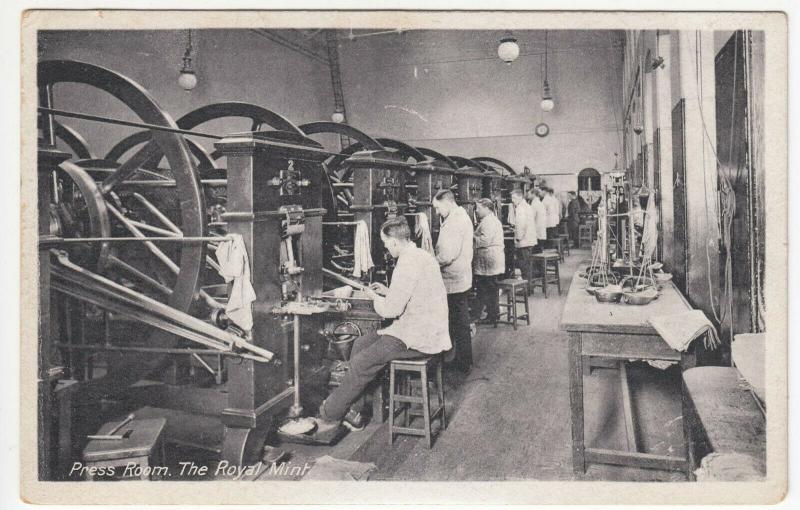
x=557 y=244
x=564 y=244
x=401 y=391
x=549 y=273
x=516 y=290
x=142 y=444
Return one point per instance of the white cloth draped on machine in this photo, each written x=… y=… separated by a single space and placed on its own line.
x=423 y=230
x=362 y=254
x=235 y=267
x=511 y=219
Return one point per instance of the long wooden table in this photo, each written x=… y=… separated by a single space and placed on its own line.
x=617 y=332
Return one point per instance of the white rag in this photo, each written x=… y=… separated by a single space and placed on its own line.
x=235 y=266
x=362 y=254
x=680 y=329
x=423 y=231
x=511 y=219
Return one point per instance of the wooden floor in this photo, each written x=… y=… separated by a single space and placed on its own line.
x=509 y=419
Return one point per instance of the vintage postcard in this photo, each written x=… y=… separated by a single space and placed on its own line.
x=514 y=255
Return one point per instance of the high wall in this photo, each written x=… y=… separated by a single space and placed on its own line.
x=231 y=65
x=448 y=90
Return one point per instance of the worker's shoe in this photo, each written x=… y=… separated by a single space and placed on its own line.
x=354 y=421
x=324 y=426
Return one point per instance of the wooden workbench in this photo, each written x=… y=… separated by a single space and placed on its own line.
x=617 y=332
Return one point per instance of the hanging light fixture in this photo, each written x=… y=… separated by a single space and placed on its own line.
x=547 y=103
x=508 y=50
x=338 y=117
x=187 y=79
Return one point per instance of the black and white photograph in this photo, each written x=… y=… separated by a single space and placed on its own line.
x=362 y=247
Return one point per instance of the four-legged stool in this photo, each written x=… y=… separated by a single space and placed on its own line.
x=141 y=446
x=401 y=392
x=549 y=273
x=516 y=291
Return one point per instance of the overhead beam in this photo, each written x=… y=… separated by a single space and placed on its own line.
x=289 y=44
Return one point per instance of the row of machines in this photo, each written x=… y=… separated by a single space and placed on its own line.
x=132 y=302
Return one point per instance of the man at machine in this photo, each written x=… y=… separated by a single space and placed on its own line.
x=454 y=253
x=539 y=217
x=489 y=261
x=417 y=301
x=524 y=233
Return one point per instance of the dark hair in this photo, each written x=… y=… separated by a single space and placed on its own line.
x=397 y=228
x=445 y=195
x=486 y=202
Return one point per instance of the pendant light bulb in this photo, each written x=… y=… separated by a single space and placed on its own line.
x=508 y=50
x=187 y=78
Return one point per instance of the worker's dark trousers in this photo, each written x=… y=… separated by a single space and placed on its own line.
x=458 y=316
x=486 y=287
x=573 y=234
x=522 y=259
x=369 y=356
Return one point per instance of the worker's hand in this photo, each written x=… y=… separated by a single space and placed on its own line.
x=379 y=288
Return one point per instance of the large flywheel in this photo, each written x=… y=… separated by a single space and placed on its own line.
x=184 y=261
x=97 y=201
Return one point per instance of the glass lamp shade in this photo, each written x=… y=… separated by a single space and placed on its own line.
x=547 y=104
x=187 y=80
x=337 y=117
x=508 y=50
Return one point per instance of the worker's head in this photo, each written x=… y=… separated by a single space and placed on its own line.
x=484 y=207
x=516 y=196
x=395 y=235
x=549 y=191
x=530 y=194
x=572 y=195
x=444 y=202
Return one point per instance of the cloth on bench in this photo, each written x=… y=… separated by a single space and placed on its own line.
x=679 y=330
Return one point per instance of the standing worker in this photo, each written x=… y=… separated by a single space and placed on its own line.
x=524 y=233
x=454 y=253
x=574 y=217
x=553 y=208
x=489 y=261
x=539 y=218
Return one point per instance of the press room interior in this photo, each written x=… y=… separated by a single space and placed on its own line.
x=627 y=343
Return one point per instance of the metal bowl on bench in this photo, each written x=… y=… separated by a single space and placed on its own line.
x=608 y=294
x=641 y=298
x=662 y=278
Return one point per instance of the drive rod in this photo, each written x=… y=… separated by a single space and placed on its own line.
x=97 y=118
x=72 y=240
